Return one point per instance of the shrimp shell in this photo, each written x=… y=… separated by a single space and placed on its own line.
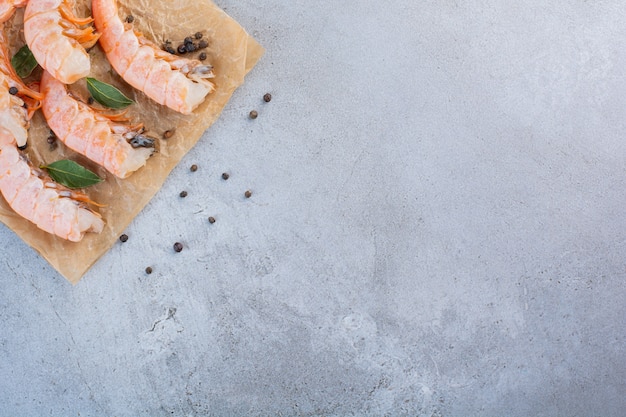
x=179 y=83
x=94 y=135
x=7 y=8
x=57 y=40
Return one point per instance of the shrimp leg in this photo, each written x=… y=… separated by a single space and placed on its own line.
x=179 y=83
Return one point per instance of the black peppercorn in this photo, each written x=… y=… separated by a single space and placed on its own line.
x=225 y=176
x=90 y=100
x=130 y=18
x=188 y=40
x=202 y=44
x=193 y=168
x=183 y=194
x=254 y=114
x=182 y=48
x=170 y=50
x=211 y=219
x=190 y=47
x=267 y=98
x=178 y=247
x=198 y=35
x=202 y=56
x=248 y=194
x=123 y=238
x=149 y=270
x=13 y=91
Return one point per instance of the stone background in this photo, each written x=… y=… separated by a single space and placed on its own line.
x=436 y=229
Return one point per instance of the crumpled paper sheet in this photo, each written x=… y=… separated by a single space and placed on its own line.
x=232 y=52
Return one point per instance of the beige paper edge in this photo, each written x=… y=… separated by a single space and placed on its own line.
x=231 y=51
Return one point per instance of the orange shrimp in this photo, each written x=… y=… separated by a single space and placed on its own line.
x=119 y=147
x=30 y=193
x=58 y=39
x=179 y=83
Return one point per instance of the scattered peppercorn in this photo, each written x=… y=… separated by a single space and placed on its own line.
x=90 y=100
x=13 y=91
x=124 y=238
x=170 y=50
x=168 y=133
x=254 y=114
x=130 y=18
x=51 y=139
x=198 y=35
x=182 y=48
x=267 y=98
x=202 y=56
x=211 y=219
x=190 y=47
x=178 y=247
x=248 y=194
x=149 y=270
x=183 y=194
x=225 y=176
x=193 y=168
x=202 y=44
x=188 y=40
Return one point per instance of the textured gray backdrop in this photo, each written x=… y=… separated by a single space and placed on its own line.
x=436 y=229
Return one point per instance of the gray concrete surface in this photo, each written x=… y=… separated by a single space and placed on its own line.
x=436 y=229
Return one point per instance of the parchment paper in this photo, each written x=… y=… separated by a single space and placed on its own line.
x=231 y=51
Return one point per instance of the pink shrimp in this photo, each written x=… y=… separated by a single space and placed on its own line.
x=119 y=147
x=13 y=116
x=7 y=8
x=37 y=198
x=58 y=39
x=30 y=193
x=179 y=83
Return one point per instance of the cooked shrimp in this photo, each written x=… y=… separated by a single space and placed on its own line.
x=119 y=147
x=58 y=39
x=37 y=198
x=29 y=192
x=7 y=8
x=13 y=115
x=179 y=83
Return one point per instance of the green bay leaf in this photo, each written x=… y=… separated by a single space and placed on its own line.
x=24 y=62
x=107 y=95
x=71 y=174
